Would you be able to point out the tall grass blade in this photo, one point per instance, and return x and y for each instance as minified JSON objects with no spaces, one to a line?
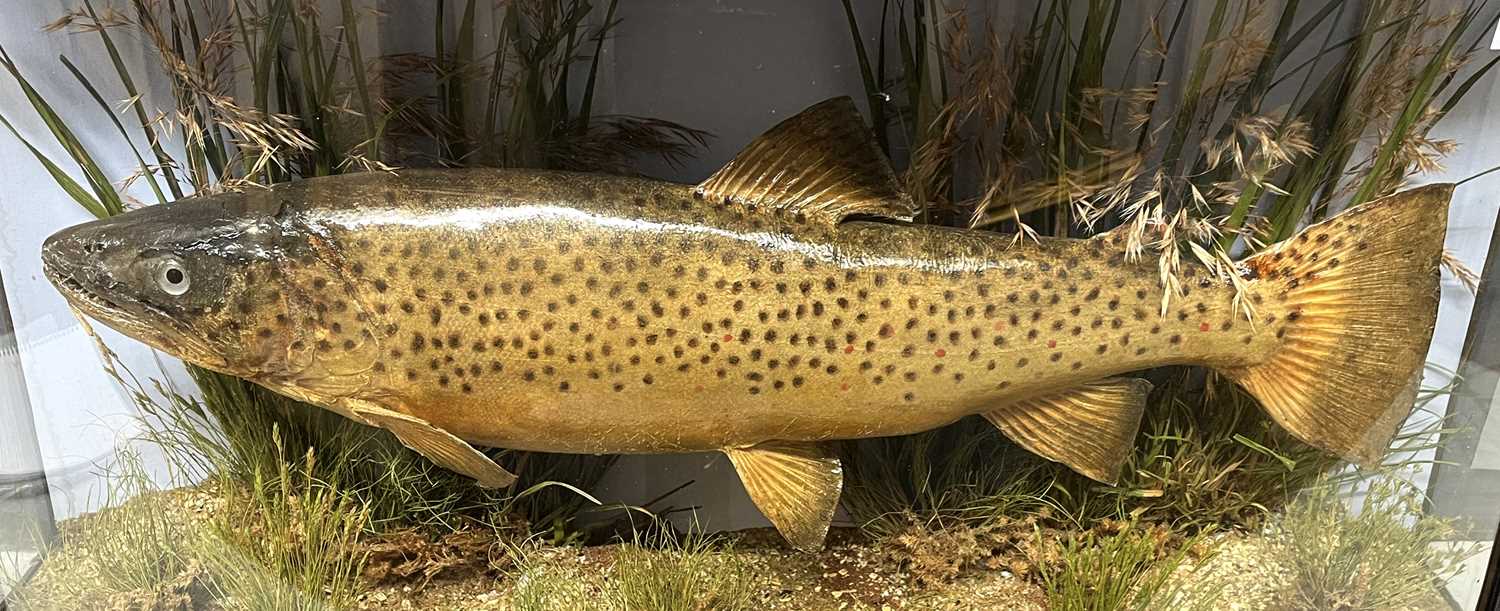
{"x":1192,"y":93}
{"x":103,"y":191}
{"x":163,"y":161}
{"x":586,"y":107}
{"x":66,"y":182}
{"x":357,"y":72}
{"x":874,"y":95}
{"x":146,"y":172}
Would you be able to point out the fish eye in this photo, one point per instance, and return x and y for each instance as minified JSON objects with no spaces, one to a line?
{"x":172,"y":277}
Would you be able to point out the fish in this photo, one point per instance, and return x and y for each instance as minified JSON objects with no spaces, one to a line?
{"x":785,"y":302}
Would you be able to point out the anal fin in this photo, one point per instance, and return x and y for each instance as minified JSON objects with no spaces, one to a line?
{"x":1090,"y":428}
{"x":438,"y":445}
{"x":796,"y":485}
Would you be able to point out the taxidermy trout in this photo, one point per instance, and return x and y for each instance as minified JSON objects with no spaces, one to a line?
{"x":782,"y":303}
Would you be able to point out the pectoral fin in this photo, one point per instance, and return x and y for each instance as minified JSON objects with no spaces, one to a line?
{"x":436,"y":444}
{"x":1091,"y":428}
{"x":795,"y":485}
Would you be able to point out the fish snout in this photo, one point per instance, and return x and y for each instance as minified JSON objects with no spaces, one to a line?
{"x":61,"y":251}
{"x":73,"y":253}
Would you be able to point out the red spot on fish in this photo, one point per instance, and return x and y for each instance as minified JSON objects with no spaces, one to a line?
{"x":1203,"y":327}
{"x":844,"y":386}
{"x":941,"y":352}
{"x":728,"y":337}
{"x":849,"y":349}
{"x":999,"y":325}
{"x":1051,"y":343}
{"x":698,"y":388}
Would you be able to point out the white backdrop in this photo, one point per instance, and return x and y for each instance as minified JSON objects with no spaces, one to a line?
{"x":80,"y":413}
{"x":733,"y":67}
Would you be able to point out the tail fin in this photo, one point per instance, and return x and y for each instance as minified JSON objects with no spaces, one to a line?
{"x":1359,"y":295}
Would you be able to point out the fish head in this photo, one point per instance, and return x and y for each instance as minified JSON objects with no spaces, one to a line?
{"x":190,"y":278}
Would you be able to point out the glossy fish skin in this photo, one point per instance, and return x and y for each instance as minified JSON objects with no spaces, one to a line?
{"x":750,"y":314}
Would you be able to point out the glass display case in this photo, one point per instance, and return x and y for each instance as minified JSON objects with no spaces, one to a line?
{"x":25,"y":506}
{"x":562,"y":304}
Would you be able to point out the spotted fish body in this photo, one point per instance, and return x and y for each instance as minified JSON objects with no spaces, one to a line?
{"x":568,"y":313}
{"x":756,"y":314}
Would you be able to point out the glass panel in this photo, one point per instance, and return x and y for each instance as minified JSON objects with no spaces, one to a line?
{"x":1467,"y":472}
{"x":26,"y":525}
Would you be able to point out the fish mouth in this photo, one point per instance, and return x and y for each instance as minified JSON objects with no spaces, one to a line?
{"x":115,"y":313}
{"x":155,"y":329}
{"x":66,"y":257}
{"x":75,"y":292}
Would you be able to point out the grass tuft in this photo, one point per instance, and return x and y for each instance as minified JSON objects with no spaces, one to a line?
{"x":1382,"y":553}
{"x":658,"y":570}
{"x":1120,"y":566}
{"x":288,"y":541}
{"x":965,"y":474}
{"x":1204,"y":459}
{"x":665,"y":572}
{"x":137,"y":547}
{"x":134,"y":553}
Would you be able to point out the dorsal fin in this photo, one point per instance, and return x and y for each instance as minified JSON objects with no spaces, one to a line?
{"x":820,"y":163}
